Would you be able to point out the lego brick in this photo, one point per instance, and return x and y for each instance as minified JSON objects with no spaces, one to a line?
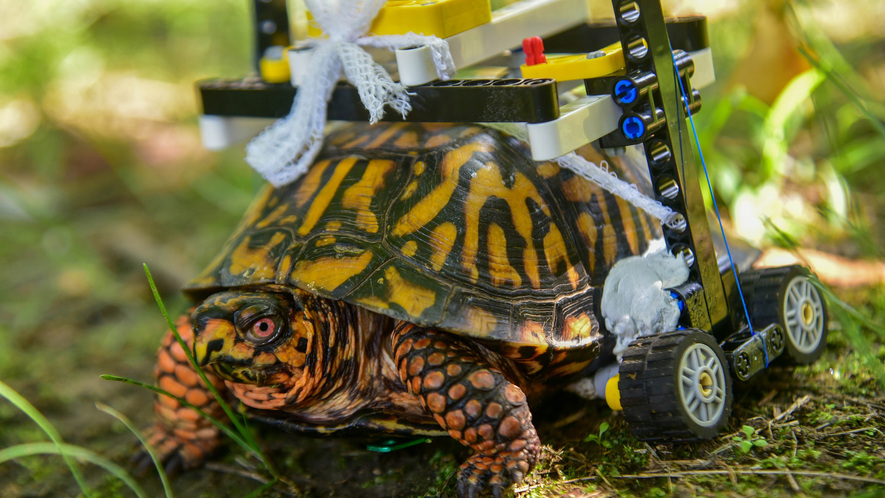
{"x":509,"y":100}
{"x":506,"y":31}
{"x":220,"y":132}
{"x":580,"y":123}
{"x":442,"y":18}
{"x":685,"y":33}
{"x":271,"y":27}
{"x":274,"y":66}
{"x":578,"y":67}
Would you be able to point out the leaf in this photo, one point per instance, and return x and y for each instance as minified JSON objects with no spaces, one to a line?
{"x":749,"y":431}
{"x":602,"y":428}
{"x":746,"y":446}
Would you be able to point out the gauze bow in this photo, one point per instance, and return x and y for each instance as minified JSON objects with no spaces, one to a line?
{"x":284,"y":151}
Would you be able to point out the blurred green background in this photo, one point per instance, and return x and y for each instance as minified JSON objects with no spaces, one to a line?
{"x":101,"y":169}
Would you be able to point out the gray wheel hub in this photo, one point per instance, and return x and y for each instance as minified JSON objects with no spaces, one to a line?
{"x":702,"y":385}
{"x":803,"y":315}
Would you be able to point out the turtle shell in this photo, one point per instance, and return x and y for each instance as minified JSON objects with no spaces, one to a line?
{"x":450,"y":226}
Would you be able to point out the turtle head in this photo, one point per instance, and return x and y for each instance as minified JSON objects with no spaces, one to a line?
{"x":252,"y":337}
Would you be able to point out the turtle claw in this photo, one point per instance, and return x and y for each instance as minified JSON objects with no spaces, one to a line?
{"x":473,"y":482}
{"x":468,"y":490}
{"x":174,"y":464}
{"x":175,"y":453}
{"x":140,"y":462}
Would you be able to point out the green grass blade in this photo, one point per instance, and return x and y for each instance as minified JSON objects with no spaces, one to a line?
{"x":167,"y":488}
{"x":826,"y":58}
{"x":218,"y":423}
{"x":67,"y":451}
{"x":263,"y":488}
{"x":789,"y":102}
{"x":25,"y":406}
{"x":852,"y":321}
{"x":190,"y":357}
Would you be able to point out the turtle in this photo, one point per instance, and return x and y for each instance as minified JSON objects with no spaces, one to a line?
{"x":419,"y":279}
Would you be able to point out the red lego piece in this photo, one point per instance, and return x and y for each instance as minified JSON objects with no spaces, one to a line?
{"x":534,"y":50}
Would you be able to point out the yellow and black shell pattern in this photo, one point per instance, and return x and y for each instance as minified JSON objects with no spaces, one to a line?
{"x":449,"y":226}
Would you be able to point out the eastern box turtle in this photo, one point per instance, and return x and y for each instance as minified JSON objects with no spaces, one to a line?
{"x":418,"y":279}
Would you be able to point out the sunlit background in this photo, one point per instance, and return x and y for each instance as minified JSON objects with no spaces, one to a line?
{"x":101,"y":170}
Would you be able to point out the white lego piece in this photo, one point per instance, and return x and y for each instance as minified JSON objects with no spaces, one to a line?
{"x":506,"y":31}
{"x":594,"y":387}
{"x":419,"y":64}
{"x":704,"y":72}
{"x":220,"y":132}
{"x":579,"y":123}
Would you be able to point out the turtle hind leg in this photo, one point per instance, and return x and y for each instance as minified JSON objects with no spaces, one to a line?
{"x":474,"y":402}
{"x":182,"y":437}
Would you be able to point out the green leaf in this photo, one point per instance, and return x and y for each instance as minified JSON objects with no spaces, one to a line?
{"x":602,"y":428}
{"x":746,"y":446}
{"x":749,"y":431}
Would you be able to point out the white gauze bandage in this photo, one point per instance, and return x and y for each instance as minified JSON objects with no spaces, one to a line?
{"x":611,"y":183}
{"x":284,"y":151}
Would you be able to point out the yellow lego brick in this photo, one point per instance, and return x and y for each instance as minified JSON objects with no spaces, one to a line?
{"x":442,"y":18}
{"x":613,"y":394}
{"x":577,"y":67}
{"x":274,"y":70}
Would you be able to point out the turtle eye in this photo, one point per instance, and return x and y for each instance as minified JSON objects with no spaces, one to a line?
{"x":262,"y":331}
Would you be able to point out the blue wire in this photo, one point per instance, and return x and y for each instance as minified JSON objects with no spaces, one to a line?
{"x":715,"y":206}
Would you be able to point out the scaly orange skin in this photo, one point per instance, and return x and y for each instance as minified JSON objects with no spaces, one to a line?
{"x":474,"y":402}
{"x":182,"y":437}
{"x":418,"y":374}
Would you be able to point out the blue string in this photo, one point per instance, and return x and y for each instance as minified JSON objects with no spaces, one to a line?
{"x":715,"y":206}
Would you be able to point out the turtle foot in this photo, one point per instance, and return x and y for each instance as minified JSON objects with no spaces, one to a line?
{"x":475,"y":403}
{"x":176,"y":450}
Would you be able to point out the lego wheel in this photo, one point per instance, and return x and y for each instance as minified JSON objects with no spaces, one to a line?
{"x":787,"y":295}
{"x":675,"y":387}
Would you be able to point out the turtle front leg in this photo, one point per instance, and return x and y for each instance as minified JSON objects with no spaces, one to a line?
{"x":474,"y":402}
{"x":182,"y":437}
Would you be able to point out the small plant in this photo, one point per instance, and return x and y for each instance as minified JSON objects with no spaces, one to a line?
{"x":749,"y":440}
{"x":598,"y":438}
{"x":861,"y":461}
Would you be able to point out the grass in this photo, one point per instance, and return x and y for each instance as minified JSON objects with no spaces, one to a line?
{"x":59,"y":447}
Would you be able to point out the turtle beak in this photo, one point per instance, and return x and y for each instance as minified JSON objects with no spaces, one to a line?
{"x":214,"y":342}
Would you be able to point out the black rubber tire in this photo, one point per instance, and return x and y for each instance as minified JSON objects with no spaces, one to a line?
{"x":651,"y":394}
{"x":768,"y":296}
